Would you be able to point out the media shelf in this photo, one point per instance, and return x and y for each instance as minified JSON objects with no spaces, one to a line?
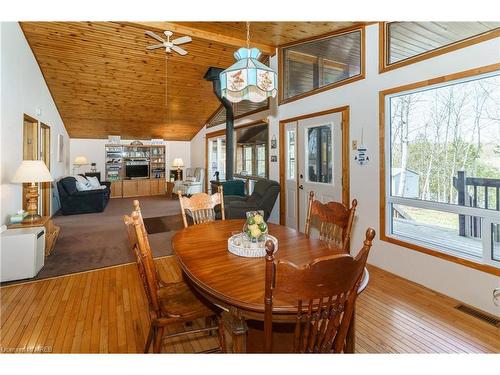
{"x":135,"y":170}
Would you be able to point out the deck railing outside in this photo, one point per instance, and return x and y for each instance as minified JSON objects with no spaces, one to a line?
{"x":476,"y":192}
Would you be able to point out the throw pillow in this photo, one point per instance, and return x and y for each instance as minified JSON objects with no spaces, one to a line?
{"x":82,"y":183}
{"x":94,"y":182}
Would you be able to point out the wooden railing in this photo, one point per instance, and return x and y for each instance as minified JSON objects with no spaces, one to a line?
{"x":475,"y":192}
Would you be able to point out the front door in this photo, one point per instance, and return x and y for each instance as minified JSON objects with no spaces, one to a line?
{"x":317,"y":164}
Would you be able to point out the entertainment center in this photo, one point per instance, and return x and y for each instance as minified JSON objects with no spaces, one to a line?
{"x":135,"y":170}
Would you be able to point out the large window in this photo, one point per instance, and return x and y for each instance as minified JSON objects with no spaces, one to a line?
{"x":217,"y":157}
{"x":321,"y":64}
{"x":442,"y":157}
{"x":408,"y":42}
{"x":251,"y":151}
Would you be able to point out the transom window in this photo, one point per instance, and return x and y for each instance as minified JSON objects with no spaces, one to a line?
{"x":321,"y":63}
{"x":407,"y":42}
{"x":442,"y":146}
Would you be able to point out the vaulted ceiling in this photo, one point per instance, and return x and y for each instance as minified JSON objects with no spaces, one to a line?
{"x":104,"y":81}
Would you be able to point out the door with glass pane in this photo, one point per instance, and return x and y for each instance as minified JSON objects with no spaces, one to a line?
{"x":216,"y":158}
{"x":319,"y":161}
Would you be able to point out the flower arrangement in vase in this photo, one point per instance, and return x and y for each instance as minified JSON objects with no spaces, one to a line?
{"x":255,"y":227}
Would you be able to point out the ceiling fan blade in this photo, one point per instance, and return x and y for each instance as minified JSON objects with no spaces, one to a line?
{"x":155,"y":46}
{"x":179,"y":50}
{"x":182,"y":40}
{"x":153,"y":35}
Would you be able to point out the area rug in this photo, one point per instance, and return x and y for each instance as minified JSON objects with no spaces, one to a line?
{"x":163,"y":224}
{"x":92,"y":241}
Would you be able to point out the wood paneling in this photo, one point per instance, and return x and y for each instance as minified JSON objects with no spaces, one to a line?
{"x":104,"y":82}
{"x":105,"y":311}
{"x":270,"y":33}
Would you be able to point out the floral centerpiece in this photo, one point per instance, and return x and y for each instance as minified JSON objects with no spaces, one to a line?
{"x":255,"y":227}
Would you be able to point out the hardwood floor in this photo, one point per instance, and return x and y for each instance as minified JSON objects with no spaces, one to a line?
{"x":104,"y":311}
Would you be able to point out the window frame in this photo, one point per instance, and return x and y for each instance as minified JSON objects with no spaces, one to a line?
{"x":254,"y":150}
{"x":283,"y":100}
{"x":385,"y":66}
{"x":386,"y":200}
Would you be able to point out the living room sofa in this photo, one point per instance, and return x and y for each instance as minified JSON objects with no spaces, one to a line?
{"x":263,"y":198}
{"x":81,"y":202}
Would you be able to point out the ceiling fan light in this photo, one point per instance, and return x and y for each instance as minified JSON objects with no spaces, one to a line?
{"x":248,"y":78}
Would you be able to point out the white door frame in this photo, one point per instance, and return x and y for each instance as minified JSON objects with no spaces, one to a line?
{"x":345,"y":156}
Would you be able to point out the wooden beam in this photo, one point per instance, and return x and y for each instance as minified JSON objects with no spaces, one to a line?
{"x":201,"y":34}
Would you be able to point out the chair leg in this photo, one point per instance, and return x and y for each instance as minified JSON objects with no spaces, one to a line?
{"x":158,"y":339}
{"x":149,"y":340}
{"x":209,"y":321}
{"x":220,"y":332}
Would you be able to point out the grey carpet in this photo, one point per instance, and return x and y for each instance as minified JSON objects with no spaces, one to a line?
{"x":92,"y":241}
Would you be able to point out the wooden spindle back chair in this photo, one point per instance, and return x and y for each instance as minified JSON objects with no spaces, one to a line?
{"x":169,"y":303}
{"x":324,"y":292}
{"x":201,"y":206}
{"x":334,"y":221}
{"x":139,"y":243}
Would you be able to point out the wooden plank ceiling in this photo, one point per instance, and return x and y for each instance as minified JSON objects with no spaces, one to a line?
{"x":104,"y":81}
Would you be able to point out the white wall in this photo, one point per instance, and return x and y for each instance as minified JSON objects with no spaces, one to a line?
{"x":93,"y":150}
{"x":466,"y":284}
{"x":23,"y":91}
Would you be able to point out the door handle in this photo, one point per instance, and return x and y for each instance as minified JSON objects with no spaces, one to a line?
{"x":301,"y":187}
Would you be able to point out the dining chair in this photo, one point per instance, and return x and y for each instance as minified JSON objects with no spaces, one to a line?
{"x":201,"y":206}
{"x":334,"y":221}
{"x":169,"y":302}
{"x":324,"y":291}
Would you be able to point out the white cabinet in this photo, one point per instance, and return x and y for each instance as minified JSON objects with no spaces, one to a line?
{"x":22,"y":253}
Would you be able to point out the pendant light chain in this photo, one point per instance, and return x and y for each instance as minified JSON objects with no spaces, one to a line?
{"x":248,"y":34}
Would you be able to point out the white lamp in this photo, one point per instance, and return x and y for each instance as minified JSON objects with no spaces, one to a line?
{"x":79,"y":161}
{"x":178,"y":163}
{"x":32,"y":171}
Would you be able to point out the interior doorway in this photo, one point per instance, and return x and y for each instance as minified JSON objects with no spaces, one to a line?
{"x":314,"y":157}
{"x":30,"y":146}
{"x":45,"y":187}
{"x":215,"y":156}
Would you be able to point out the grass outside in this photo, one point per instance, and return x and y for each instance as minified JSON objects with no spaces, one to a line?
{"x":430,"y":217}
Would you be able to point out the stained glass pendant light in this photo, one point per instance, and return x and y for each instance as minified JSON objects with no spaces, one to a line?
{"x":248,"y":78}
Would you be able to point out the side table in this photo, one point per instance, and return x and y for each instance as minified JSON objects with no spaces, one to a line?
{"x":51,"y":231}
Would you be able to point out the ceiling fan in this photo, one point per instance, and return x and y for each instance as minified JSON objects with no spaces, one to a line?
{"x":168,"y":44}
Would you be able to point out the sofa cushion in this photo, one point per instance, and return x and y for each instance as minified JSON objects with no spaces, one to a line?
{"x":69,"y":184}
{"x":94,"y":182}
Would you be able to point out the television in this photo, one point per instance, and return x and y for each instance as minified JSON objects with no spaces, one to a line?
{"x":137,"y":171}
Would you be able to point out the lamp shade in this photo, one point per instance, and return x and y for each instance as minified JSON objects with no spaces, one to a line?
{"x":248,"y":78}
{"x":32,"y":171}
{"x":80,"y":160}
{"x":178,"y":163}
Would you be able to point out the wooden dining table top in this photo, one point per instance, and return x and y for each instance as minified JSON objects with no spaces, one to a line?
{"x":202,"y":252}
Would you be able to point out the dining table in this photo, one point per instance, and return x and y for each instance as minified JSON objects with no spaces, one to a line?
{"x":236,"y":284}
